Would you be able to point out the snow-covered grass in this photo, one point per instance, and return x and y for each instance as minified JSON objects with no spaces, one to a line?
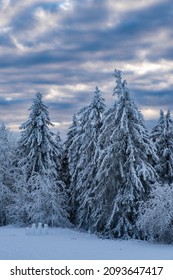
{"x":71,"y":244}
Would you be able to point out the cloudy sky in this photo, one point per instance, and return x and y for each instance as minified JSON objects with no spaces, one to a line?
{"x":64,"y":48}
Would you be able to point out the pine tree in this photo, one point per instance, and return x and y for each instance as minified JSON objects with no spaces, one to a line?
{"x":59,"y":157}
{"x":6,"y":173}
{"x":162,"y":137}
{"x":71,"y":156}
{"x":82,"y":143}
{"x":59,"y":145}
{"x":158,"y":130}
{"x":37,"y":150}
{"x":38,"y":154}
{"x":125,"y":175}
{"x":91,"y":122}
{"x":167,"y":159}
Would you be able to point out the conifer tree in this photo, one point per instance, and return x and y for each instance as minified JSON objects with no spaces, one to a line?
{"x":125,"y":175}
{"x":91,"y":122}
{"x":59,"y":145}
{"x":46,"y":199}
{"x":37,"y":150}
{"x":71,"y":157}
{"x":162,"y":136}
{"x":167,"y":161}
{"x":6,"y":173}
{"x":59,"y":157}
{"x":81,"y":152}
{"x":158,"y":130}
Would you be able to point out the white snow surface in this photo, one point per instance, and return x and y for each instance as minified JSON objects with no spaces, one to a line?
{"x":71,"y":244}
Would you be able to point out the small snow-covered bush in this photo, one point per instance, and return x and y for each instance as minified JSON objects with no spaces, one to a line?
{"x":155,"y":220}
{"x":37,"y":229}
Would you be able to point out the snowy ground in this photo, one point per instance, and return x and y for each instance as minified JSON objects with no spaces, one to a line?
{"x":64,"y":244}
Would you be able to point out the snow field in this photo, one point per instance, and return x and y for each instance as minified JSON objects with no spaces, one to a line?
{"x":70,"y":244}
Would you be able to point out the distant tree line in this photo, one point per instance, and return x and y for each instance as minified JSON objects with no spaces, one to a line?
{"x":110,"y":177}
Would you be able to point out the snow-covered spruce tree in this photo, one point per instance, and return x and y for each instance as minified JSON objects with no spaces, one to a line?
{"x":63,"y":161}
{"x":158,"y":130}
{"x":125,"y":175}
{"x":38,"y":155}
{"x":71,"y":157}
{"x":90,"y":122}
{"x":59,"y":156}
{"x":58,"y":142}
{"x":82,"y":166}
{"x":6,"y":173}
{"x":162,"y":136}
{"x":156,"y":215}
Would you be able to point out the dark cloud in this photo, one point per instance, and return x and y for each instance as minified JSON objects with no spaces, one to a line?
{"x":65,"y":51}
{"x":5,"y":40}
{"x":159,"y":98}
{"x":93,"y":13}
